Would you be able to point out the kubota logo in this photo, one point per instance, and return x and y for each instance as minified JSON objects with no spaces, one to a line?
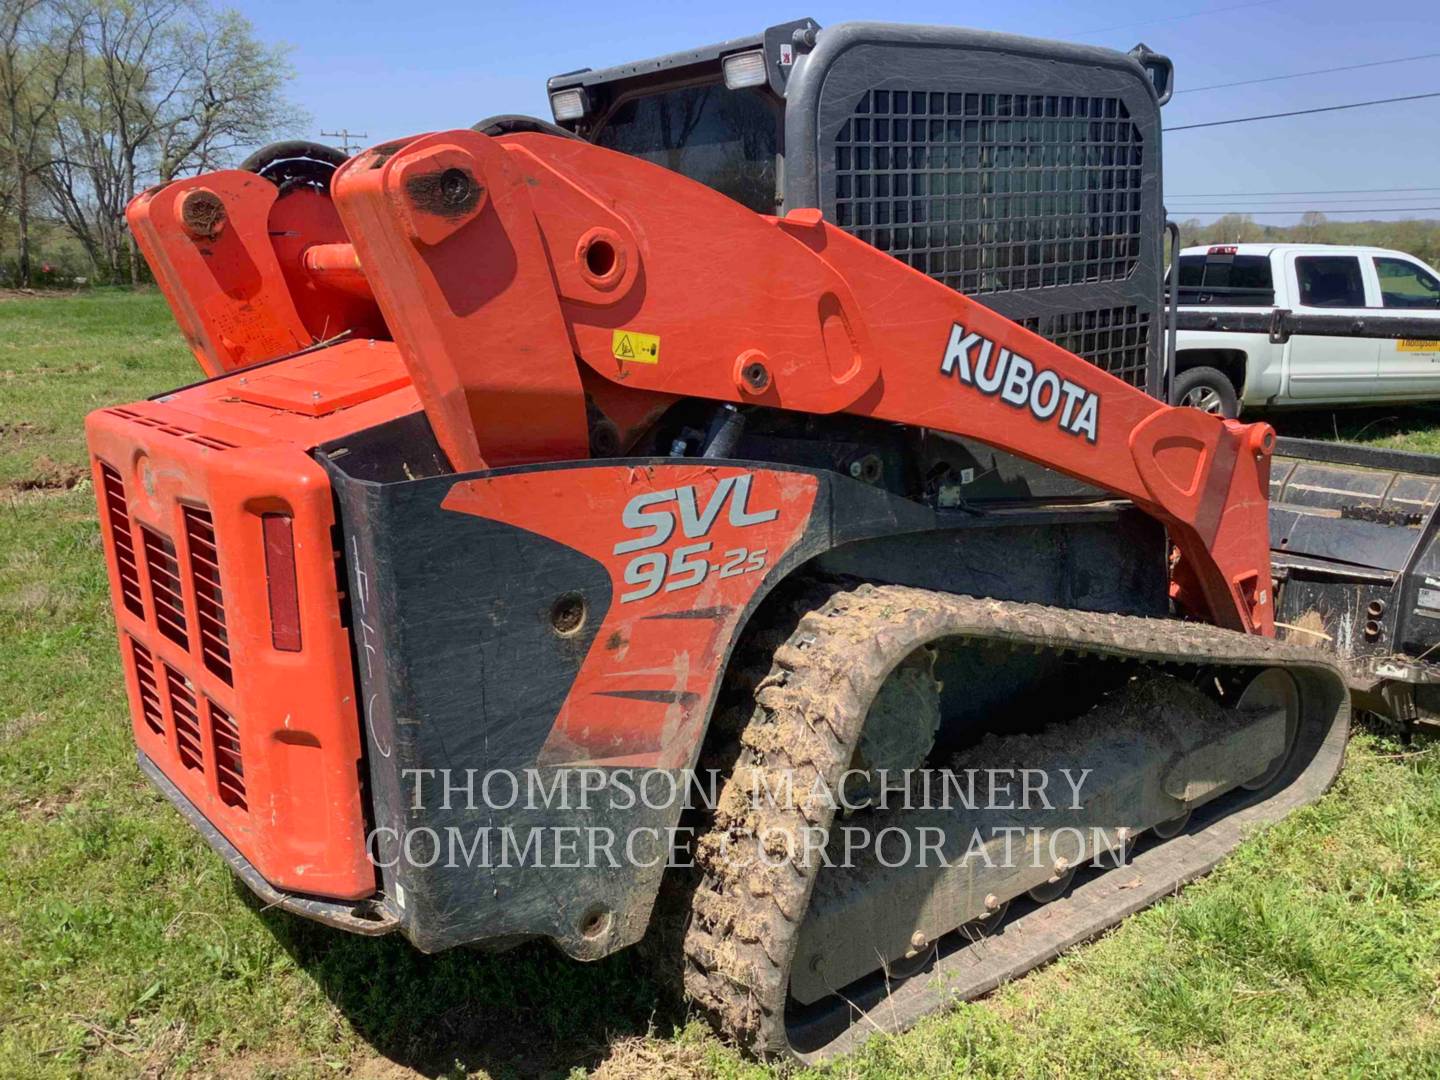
{"x":660,"y":512}
{"x":1018,"y":382}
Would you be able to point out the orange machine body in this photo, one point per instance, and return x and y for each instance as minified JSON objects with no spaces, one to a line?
{"x":528,"y":293}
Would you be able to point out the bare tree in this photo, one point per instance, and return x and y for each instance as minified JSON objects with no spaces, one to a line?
{"x":164,"y":87}
{"x":229,"y":95}
{"x":1312,"y":225}
{"x":36,"y":55}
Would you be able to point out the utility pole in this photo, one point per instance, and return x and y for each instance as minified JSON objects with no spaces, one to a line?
{"x":345,"y":135}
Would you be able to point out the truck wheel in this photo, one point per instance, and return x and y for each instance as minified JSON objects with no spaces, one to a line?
{"x":1206,"y":389}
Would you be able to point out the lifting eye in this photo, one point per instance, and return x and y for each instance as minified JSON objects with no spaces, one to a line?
{"x":601,"y":258}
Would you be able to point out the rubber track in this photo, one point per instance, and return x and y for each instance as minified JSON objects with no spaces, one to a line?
{"x":747,"y":911}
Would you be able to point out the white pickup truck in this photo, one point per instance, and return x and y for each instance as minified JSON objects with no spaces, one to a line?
{"x":1271,"y":325}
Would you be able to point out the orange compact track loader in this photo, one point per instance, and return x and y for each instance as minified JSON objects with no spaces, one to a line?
{"x":785,"y":413}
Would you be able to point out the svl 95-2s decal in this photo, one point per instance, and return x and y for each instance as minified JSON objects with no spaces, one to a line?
{"x":653,"y":661}
{"x":687,"y":566}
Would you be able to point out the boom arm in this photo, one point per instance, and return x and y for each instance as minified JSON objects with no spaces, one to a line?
{"x":515,"y":273}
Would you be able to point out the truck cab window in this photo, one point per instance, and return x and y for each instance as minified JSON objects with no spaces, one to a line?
{"x":724,"y":139}
{"x":1330,"y":281}
{"x":1405,"y":285}
{"x":1226,"y":280}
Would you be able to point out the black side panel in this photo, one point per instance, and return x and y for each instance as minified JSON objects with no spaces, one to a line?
{"x":462,"y":677}
{"x":459,"y":670}
{"x":1088,"y":559}
{"x":1025,"y":173}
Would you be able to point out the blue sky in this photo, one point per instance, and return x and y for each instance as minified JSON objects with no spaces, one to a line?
{"x":393,"y":69}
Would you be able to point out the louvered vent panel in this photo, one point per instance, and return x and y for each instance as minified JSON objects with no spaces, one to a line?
{"x":117,"y":520}
{"x":184,"y":712}
{"x":229,"y":770}
{"x":150,"y":707}
{"x":209,"y":599}
{"x":165,"y":589}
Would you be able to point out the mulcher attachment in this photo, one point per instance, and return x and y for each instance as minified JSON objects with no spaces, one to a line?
{"x":793,"y":936}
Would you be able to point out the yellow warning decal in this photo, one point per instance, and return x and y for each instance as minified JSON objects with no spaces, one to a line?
{"x":1407,"y":345}
{"x":635,"y":347}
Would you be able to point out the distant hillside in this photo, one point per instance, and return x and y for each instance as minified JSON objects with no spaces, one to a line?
{"x":1419,"y":238}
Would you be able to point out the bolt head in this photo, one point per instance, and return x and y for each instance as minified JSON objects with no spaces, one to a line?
{"x":455,"y":186}
{"x":202,"y":214}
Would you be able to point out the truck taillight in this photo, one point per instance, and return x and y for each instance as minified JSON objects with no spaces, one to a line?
{"x":280,"y":581}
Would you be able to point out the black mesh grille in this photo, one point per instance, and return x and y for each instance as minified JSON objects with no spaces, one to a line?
{"x":994,"y":192}
{"x":1116,"y":340}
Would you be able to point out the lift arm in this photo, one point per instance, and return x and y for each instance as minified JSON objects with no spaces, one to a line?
{"x":516,"y":273}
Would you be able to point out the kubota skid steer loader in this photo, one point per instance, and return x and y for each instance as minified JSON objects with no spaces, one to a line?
{"x":740,"y":421}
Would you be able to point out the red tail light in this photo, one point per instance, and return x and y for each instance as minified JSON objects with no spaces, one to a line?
{"x":280,"y":581}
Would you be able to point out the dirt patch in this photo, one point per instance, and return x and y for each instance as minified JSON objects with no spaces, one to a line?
{"x":49,"y":475}
{"x":37,"y":597}
{"x":649,"y":1059}
{"x":17,"y":433}
{"x":36,"y":294}
{"x":10,"y":730}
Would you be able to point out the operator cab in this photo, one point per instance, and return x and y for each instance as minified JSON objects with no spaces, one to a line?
{"x":1024,"y":173}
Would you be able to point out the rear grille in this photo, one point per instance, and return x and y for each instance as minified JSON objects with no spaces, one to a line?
{"x":171,"y":703}
{"x":1116,"y":340}
{"x":994,"y":192}
{"x":184,"y":712}
{"x":229,"y":771}
{"x":209,"y":599}
{"x":164,"y":573}
{"x":117,"y":520}
{"x":150,"y":707}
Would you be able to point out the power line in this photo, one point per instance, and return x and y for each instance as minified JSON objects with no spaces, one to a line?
{"x":1329,"y":191}
{"x":1271,"y":212}
{"x":1398,"y":198}
{"x":1303,"y":112}
{"x":1170,"y":18}
{"x":1305,"y":74}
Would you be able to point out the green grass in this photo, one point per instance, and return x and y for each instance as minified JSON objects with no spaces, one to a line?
{"x":127,"y":948}
{"x":1396,"y":427}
